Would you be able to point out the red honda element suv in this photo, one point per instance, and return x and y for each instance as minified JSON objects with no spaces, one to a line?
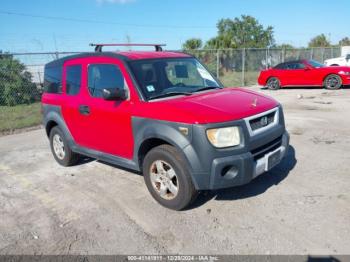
{"x":163,"y":114}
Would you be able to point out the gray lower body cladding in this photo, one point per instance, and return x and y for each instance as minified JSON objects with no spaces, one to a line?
{"x":213,"y":168}
{"x":210,"y":168}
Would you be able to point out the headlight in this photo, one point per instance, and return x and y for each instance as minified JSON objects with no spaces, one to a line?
{"x":224,"y":137}
{"x":343,"y":73}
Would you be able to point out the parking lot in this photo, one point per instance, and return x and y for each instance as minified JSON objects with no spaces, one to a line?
{"x":301,"y":207}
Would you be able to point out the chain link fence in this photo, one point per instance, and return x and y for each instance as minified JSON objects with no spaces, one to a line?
{"x":241,"y":67}
{"x":22,"y":75}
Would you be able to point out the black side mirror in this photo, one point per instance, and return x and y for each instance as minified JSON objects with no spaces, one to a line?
{"x":114,"y":94}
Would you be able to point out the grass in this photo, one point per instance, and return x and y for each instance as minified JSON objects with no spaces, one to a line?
{"x":233,"y":79}
{"x":20,"y":116}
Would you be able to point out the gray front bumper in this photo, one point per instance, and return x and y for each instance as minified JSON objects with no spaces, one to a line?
{"x":260,"y":166}
{"x":241,"y":169}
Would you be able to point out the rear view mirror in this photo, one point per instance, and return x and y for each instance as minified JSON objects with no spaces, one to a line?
{"x":181,"y":71}
{"x":114,"y":94}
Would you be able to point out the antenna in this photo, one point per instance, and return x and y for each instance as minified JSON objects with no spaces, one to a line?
{"x":98,"y":47}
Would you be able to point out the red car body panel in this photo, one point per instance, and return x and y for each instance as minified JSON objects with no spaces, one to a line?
{"x":112,"y":120}
{"x":310,"y":76}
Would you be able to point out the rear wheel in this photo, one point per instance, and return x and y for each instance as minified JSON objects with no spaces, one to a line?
{"x":332,"y":82}
{"x":167,"y":178}
{"x":60,"y":148}
{"x":273,"y":83}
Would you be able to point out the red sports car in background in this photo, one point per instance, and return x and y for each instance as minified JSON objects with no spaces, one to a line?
{"x":304,"y":73}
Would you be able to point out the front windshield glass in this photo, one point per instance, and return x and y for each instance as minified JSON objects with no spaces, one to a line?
{"x":315,"y":64}
{"x":166,"y":77}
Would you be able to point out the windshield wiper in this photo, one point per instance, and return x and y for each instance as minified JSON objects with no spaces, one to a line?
{"x":207,"y":88}
{"x":170,"y":94}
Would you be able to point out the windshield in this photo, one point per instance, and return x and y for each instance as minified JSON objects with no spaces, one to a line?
{"x":316,"y":64}
{"x":167,"y":77}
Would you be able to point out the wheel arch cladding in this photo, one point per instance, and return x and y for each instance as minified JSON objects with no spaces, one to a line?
{"x":52,"y":117}
{"x":160,"y":132}
{"x":147,"y":145}
{"x":49,"y":125}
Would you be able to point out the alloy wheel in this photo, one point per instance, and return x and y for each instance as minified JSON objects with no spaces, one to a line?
{"x":164,"y":179}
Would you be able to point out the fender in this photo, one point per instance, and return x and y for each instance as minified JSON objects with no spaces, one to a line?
{"x":145,"y":128}
{"x":53,"y":113}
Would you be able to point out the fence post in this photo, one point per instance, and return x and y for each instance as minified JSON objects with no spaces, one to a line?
{"x":243,"y":66}
{"x":323,"y":51}
{"x":311,"y":53}
{"x":218,"y":63}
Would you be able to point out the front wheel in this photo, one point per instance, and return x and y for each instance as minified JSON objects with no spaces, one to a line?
{"x":167,"y":178}
{"x":333,"y":82}
{"x":273,"y":83}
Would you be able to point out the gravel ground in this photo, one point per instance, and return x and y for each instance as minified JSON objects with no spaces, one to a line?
{"x":300,"y":207}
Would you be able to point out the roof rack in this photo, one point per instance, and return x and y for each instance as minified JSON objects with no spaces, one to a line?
{"x":98,"y":47}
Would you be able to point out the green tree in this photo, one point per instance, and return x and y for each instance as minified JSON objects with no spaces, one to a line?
{"x":345,"y":41}
{"x":320,"y":41}
{"x":16,"y":86}
{"x":243,"y":32}
{"x":192,"y":44}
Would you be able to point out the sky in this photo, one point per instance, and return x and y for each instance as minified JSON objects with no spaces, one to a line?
{"x":70,"y":25}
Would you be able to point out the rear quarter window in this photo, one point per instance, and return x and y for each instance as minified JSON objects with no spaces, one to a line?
{"x":53,"y":80}
{"x":281,"y":66}
{"x":73,"y":79}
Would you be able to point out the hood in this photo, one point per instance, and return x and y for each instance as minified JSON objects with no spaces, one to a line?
{"x":222,"y":105}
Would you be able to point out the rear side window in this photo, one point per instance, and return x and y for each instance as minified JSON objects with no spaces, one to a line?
{"x":53,"y":80}
{"x":73,"y":79}
{"x":280,"y":66}
{"x":102,"y":76}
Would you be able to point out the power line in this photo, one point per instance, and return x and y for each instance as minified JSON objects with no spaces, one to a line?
{"x":4,"y":12}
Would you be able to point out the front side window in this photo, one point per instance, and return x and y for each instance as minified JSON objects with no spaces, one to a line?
{"x":295,"y":66}
{"x":73,"y":79}
{"x":101,"y":76}
{"x":171,"y":76}
{"x":53,"y":80}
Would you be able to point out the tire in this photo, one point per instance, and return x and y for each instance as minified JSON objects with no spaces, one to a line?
{"x":167,"y":178}
{"x":60,"y":148}
{"x":332,"y":82}
{"x":273,"y":83}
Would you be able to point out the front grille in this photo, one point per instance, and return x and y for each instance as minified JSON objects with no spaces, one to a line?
{"x":269,"y":147}
{"x":262,"y":121}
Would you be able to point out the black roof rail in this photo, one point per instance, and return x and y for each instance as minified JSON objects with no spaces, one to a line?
{"x":98,"y":47}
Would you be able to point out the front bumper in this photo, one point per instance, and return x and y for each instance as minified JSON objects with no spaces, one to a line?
{"x":241,"y":169}
{"x":345,"y":80}
{"x":213,"y":168}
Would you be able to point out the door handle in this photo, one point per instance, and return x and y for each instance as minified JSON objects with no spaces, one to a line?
{"x":84,"y":110}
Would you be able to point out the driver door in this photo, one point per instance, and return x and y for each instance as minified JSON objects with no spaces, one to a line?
{"x":99,"y":124}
